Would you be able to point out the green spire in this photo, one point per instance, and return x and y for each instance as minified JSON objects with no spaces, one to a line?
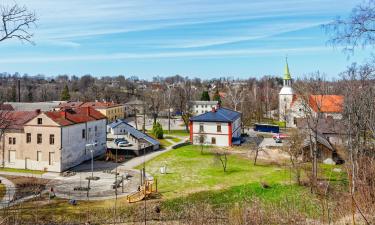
{"x":287,"y":73}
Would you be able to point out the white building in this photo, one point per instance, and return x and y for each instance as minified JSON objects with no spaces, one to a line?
{"x":219,"y":126}
{"x":54,"y":141}
{"x":200,"y":107}
{"x":293,"y":107}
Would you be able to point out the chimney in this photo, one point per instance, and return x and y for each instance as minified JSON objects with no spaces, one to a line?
{"x":213,"y":109}
{"x":37,"y":111}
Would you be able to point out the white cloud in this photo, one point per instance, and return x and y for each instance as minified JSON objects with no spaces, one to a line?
{"x":124,"y":55}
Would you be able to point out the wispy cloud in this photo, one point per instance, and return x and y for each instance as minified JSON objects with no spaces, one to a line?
{"x":124,"y":55}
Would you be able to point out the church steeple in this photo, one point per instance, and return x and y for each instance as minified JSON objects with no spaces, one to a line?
{"x":287,"y":78}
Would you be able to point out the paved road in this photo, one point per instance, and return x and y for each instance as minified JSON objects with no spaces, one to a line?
{"x":10,"y":191}
{"x":140,"y":159}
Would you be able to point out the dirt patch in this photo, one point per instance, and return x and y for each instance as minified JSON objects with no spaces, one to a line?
{"x":27,"y":186}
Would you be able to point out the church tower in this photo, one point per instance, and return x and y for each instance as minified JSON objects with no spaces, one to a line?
{"x":286,"y":97}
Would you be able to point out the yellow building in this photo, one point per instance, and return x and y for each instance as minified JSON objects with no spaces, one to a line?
{"x":111,"y":110}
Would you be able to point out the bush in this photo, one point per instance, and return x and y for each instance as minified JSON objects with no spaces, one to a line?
{"x":157,"y":130}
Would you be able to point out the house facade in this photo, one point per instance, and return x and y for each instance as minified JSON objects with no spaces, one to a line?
{"x":200,"y":107}
{"x":54,"y":141}
{"x":219,"y":126}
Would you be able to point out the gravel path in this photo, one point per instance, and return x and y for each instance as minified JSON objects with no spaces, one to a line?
{"x":10,"y":191}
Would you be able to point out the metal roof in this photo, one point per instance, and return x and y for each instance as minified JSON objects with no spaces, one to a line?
{"x":134,"y":132}
{"x":219,"y":115}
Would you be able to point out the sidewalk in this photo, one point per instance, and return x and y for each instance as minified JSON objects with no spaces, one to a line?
{"x":9,"y":194}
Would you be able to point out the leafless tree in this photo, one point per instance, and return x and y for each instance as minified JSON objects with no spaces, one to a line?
{"x":235,"y":96}
{"x":294,"y":148}
{"x":221,"y":155}
{"x":356,"y":30}
{"x":16,"y":22}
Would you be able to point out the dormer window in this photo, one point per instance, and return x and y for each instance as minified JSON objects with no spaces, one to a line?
{"x":40,"y":120}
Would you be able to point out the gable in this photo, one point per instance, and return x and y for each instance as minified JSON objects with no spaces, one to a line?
{"x":46,"y":121}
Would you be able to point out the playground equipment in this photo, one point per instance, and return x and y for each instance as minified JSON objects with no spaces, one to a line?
{"x":144,"y":191}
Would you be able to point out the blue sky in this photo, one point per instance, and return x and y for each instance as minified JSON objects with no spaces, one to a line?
{"x":197,"y":38}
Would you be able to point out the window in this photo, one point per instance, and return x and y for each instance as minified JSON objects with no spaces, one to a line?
{"x":39,"y":156}
{"x":201,"y":129}
{"x":201,"y":139}
{"x":213,"y":141}
{"x":218,"y":128}
{"x":12,"y":140}
{"x":28,"y":137}
{"x":83,"y":133}
{"x":96,"y":128}
{"x":39,"y":138}
{"x":39,"y":120}
{"x":51,"y":139}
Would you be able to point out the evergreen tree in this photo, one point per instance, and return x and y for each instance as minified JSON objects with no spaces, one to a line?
{"x":65,"y":96}
{"x":157,"y":130}
{"x":205,"y":96}
{"x":217,"y":97}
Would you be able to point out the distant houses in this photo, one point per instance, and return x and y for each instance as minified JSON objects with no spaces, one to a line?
{"x":199,"y":107}
{"x":52,"y":141}
{"x":219,"y":127}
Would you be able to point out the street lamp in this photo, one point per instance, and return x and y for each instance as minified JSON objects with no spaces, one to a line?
{"x":91,"y":148}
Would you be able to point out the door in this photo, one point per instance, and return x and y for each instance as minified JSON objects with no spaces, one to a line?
{"x":12,"y":156}
{"x":26,"y":162}
{"x":51,"y":158}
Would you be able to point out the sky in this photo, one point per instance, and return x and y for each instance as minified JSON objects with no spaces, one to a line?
{"x":194,"y":38}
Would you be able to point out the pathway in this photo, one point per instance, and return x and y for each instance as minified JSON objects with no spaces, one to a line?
{"x":9,"y":194}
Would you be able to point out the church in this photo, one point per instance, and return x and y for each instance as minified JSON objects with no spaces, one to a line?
{"x":293,"y":107}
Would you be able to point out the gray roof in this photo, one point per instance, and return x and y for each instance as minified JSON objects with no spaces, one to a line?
{"x":323,"y":141}
{"x":32,"y":106}
{"x":134,"y":132}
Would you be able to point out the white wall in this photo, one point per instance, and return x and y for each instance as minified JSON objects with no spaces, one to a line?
{"x":74,"y":149}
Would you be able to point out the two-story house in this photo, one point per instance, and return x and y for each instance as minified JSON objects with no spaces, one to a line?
{"x":54,"y":141}
{"x":220,"y":127}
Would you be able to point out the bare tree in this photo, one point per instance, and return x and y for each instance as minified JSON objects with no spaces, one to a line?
{"x":294,"y":148}
{"x":16,"y":22}
{"x":221,"y":155}
{"x":235,"y":96}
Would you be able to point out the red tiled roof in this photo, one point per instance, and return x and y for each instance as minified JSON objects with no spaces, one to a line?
{"x":324,"y":103}
{"x":16,"y":119}
{"x":327,"y":103}
{"x":74,"y":116}
{"x":70,"y":104}
{"x":6,"y":107}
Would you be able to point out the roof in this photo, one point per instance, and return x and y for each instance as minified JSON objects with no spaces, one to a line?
{"x":327,"y":103}
{"x":16,"y":119}
{"x":74,"y":116}
{"x":287,"y":73}
{"x":134,"y":102}
{"x":320,"y":139}
{"x":6,"y":107}
{"x":219,"y":115}
{"x":95,"y":105}
{"x":325,"y":125}
{"x":134,"y":132}
{"x":32,"y":106}
{"x":324,"y":103}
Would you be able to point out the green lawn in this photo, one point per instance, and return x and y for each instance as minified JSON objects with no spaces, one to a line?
{"x":181,"y":133}
{"x":190,"y":171}
{"x":175,"y":139}
{"x":21,"y":171}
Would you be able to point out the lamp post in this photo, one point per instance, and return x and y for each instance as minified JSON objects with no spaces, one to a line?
{"x":91,"y":146}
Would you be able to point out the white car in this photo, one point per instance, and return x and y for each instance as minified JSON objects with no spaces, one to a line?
{"x":124,"y":144}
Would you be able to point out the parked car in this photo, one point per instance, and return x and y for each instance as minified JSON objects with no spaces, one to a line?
{"x":278,"y":140}
{"x":124,"y":144}
{"x":117,"y":140}
{"x":280,"y":136}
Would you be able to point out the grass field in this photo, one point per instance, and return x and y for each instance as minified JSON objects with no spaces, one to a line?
{"x":174,"y":139}
{"x":2,"y":191}
{"x":190,"y":171}
{"x":182,"y":133}
{"x":21,"y":171}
